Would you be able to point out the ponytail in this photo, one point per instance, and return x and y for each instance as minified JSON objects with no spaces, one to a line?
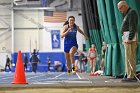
{"x":66,"y":23}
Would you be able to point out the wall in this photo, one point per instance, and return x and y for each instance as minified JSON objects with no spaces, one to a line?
{"x":5,"y":31}
{"x":29,"y":36}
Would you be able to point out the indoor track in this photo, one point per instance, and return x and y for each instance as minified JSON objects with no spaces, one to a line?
{"x":62,"y":79}
{"x":48,"y":78}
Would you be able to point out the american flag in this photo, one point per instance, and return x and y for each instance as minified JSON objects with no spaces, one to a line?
{"x":54,"y":17}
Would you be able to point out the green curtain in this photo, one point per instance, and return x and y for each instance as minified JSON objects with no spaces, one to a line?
{"x":92,"y":26}
{"x":110,"y":20}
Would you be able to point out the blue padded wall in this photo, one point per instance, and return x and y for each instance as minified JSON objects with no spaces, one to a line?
{"x":42,"y":66}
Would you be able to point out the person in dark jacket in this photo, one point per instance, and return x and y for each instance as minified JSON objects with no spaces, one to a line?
{"x":34,"y":61}
{"x":8,"y":63}
{"x":129,"y":30}
{"x":83,"y":62}
{"x":49,"y":63}
{"x":25,"y":61}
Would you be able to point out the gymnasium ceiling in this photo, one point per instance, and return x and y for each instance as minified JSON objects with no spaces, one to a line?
{"x":61,"y":5}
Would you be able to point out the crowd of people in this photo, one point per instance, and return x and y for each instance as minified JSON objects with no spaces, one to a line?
{"x":82,"y":58}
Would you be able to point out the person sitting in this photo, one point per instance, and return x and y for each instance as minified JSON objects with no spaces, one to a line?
{"x":57,"y":65}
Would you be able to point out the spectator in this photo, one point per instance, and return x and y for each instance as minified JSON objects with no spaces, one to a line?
{"x":82,"y":60}
{"x":76,"y":57}
{"x":8,"y":63}
{"x":34,"y":61}
{"x":129,"y":30}
{"x":57,"y":65}
{"x":25,"y":61}
{"x":104,"y":46}
{"x":92,"y":55}
{"x":49,"y":63}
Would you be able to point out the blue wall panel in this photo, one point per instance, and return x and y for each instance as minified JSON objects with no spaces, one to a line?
{"x":42,"y":66}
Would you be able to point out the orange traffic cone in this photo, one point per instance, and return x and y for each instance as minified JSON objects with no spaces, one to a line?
{"x":19,"y":75}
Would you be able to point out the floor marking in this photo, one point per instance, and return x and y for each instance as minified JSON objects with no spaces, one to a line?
{"x":36,"y":76}
{"x":58,"y":75}
{"x":6,"y":78}
{"x":77,"y":81}
{"x":47,"y":78}
{"x":78,"y":76}
{"x":44,"y":83}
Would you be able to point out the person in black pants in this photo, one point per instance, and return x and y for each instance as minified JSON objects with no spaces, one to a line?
{"x":25,"y":61}
{"x":7,"y":63}
{"x":49,"y":63}
{"x":34,"y":61}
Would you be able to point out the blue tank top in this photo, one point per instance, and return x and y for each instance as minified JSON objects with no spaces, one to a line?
{"x":70,"y":38}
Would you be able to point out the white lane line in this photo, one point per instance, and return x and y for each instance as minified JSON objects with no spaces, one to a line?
{"x":58,"y":75}
{"x":47,"y":79}
{"x":36,"y":76}
{"x":78,"y":76}
{"x":6,"y":78}
{"x":78,"y":81}
{"x":51,"y":82}
{"x":44,"y":83}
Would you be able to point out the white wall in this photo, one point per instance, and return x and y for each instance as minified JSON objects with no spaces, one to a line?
{"x":5,"y":23}
{"x":5,"y":32}
{"x":58,"y":26}
{"x":28,"y":19}
{"x":45,"y":38}
{"x":27,"y":36}
{"x":27,"y":32}
{"x":5,"y":41}
{"x":26,"y":40}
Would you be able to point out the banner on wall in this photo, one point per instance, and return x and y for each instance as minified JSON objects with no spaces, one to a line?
{"x":55,"y":34}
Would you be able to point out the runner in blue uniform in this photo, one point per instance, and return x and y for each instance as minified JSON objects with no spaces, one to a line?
{"x":69,"y":31}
